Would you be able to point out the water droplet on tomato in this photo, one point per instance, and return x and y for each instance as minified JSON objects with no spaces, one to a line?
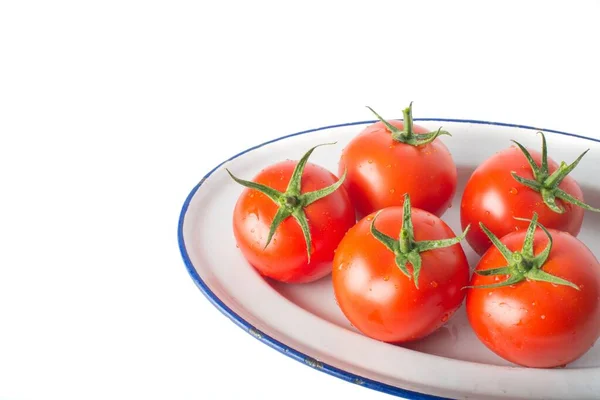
{"x":392,"y":190}
{"x":370,"y":218}
{"x":533,"y":304}
{"x":543,"y":317}
{"x":237,"y":245}
{"x":386,"y":278}
{"x":502,"y":304}
{"x":489,"y":293}
{"x":488,"y":315}
{"x":496,"y":278}
{"x":252,"y":230}
{"x":450,"y":206}
{"x":434,"y":284}
{"x":513,"y":191}
{"x":370,"y":161}
{"x":580,"y":286}
{"x":389,"y":166}
{"x":445,"y":317}
{"x":487,"y":213}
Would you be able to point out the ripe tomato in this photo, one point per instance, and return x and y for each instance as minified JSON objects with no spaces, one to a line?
{"x":290,"y":218}
{"x":397,"y":290}
{"x":543,"y":310}
{"x":388,"y":159}
{"x":518,"y":182}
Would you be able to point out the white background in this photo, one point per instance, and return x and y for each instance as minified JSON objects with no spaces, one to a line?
{"x":111,"y":111}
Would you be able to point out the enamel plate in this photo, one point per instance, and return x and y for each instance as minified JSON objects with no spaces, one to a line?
{"x":304,"y":322}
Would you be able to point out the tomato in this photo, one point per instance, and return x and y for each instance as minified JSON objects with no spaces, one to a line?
{"x":290,"y":218}
{"x":388,"y":159}
{"x":532,"y":318}
{"x":515,"y":183}
{"x":398,"y":290}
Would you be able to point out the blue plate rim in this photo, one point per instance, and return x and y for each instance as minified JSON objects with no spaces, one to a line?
{"x":279,"y":346}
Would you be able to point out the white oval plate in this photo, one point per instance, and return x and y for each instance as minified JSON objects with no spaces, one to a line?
{"x":304,"y":322}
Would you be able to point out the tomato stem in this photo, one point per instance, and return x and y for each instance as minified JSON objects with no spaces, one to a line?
{"x":406,"y":249}
{"x":408,"y":122}
{"x":292,"y":202}
{"x":524,"y":264}
{"x":547,"y":185}
{"x":407,"y":235}
{"x":406,"y":135}
{"x":405,"y":242}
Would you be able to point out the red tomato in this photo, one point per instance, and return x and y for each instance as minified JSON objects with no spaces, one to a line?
{"x":285,"y":258}
{"x":378,"y":298}
{"x":493,"y":196}
{"x":381,"y":169}
{"x":536,"y":323}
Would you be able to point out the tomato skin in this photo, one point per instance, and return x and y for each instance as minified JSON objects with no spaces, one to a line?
{"x":494,"y":197}
{"x":381,"y":170}
{"x":382,"y":302}
{"x":538,"y":324}
{"x":285,"y":258}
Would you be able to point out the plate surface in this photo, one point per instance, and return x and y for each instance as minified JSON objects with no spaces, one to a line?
{"x":304,"y":322}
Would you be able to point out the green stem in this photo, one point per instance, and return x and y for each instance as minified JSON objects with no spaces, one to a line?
{"x":547,"y":185}
{"x":407,"y":135}
{"x":557,"y":176}
{"x":405,"y":243}
{"x":522,"y":264}
{"x":291,"y":201}
{"x":408,"y":122}
{"x":406,"y":249}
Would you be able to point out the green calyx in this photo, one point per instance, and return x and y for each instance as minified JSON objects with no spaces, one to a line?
{"x":292,"y":202}
{"x":405,"y":248}
{"x":406,"y":135}
{"x":524,"y":264}
{"x":547,"y":184}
